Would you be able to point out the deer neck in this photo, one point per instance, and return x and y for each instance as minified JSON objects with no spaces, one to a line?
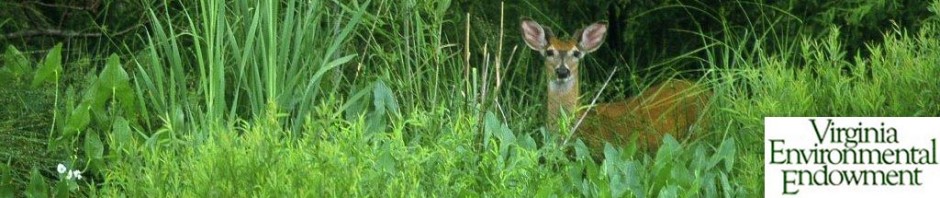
{"x":562,"y":100}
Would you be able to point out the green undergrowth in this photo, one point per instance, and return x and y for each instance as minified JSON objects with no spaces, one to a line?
{"x":817,"y":78}
{"x":256,"y":159}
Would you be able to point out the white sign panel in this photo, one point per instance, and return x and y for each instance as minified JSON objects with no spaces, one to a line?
{"x":851,"y":156}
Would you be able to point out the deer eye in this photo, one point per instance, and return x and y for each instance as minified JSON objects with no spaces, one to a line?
{"x":550,"y":53}
{"x":576,"y":54}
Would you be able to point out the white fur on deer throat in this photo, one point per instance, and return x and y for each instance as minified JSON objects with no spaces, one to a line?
{"x":561,"y":85}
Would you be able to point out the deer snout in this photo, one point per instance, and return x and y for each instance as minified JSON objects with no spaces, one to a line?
{"x":562,"y":72}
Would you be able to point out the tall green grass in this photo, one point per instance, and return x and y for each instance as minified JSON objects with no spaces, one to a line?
{"x":242,"y":58}
{"x":817,"y":77}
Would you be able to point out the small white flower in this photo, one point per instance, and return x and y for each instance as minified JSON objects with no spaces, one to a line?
{"x":77,"y":174}
{"x":61,"y":168}
{"x":68,"y":176}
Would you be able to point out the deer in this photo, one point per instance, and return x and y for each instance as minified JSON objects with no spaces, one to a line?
{"x":670,"y":107}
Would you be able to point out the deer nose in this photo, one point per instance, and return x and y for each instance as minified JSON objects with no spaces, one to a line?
{"x":562,"y":72}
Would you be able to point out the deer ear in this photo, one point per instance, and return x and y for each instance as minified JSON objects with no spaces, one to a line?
{"x":591,"y":37}
{"x":535,"y":36}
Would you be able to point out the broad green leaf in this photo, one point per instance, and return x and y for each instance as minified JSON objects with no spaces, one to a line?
{"x":581,"y":150}
{"x":630,"y":150}
{"x":94,"y":97}
{"x":113,"y":82}
{"x":667,"y":150}
{"x":113,"y":76}
{"x":51,"y":68}
{"x":383,"y":102}
{"x":77,"y":120}
{"x":664,"y":162}
{"x":94,"y":150}
{"x":634,"y":179}
{"x":386,"y":162}
{"x":699,"y":160}
{"x":669,"y":191}
{"x":93,"y":146}
{"x":376,"y":120}
{"x":726,"y":151}
{"x":120,"y":134}
{"x":37,"y":185}
{"x":599,"y":180}
{"x":725,"y":185}
{"x":506,"y":138}
{"x":681,"y":175}
{"x":490,"y":126}
{"x":611,"y":155}
{"x":17,"y":64}
{"x":61,"y":189}
{"x":708,"y":183}
{"x":575,"y":172}
{"x":504,"y":134}
{"x":528,"y":143}
{"x":383,"y":95}
{"x":616,"y":171}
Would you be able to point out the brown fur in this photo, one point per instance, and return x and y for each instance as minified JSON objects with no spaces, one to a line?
{"x":671,"y":108}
